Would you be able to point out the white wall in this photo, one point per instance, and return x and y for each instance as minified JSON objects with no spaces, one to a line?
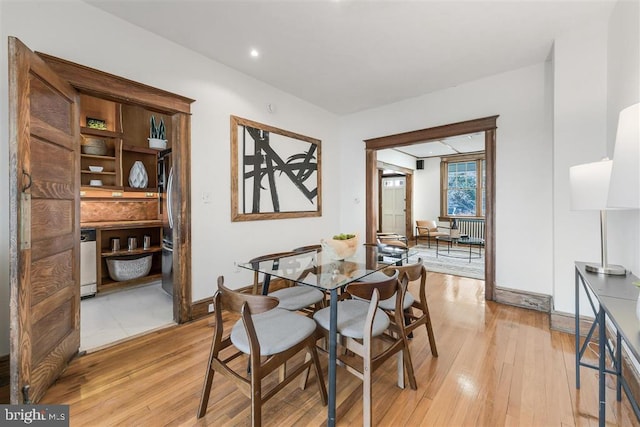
{"x":78,"y":32}
{"x":523,"y":163}
{"x":426,"y":191}
{"x":580,"y":67}
{"x":623,"y":89}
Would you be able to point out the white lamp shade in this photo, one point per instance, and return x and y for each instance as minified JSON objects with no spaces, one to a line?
{"x":590,"y":185}
{"x":624,"y":191}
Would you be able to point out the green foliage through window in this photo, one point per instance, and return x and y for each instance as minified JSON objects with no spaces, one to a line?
{"x":463,"y":187}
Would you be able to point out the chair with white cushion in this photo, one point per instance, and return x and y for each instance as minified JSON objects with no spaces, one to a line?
{"x":412,"y":319}
{"x":291,"y":297}
{"x":269,"y":336}
{"x":359,"y":322}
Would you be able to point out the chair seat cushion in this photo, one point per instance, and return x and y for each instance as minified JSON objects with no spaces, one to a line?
{"x":277,"y":330}
{"x":297,"y":297}
{"x":352,"y":315}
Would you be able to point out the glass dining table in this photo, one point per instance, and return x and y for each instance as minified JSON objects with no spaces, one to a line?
{"x":320,"y":270}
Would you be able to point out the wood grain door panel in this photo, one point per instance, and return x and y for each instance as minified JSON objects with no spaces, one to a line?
{"x":44,"y":224}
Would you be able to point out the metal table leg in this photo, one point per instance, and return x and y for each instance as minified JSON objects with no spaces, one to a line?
{"x":333,"y":344}
{"x":601,"y":367}
{"x":577,"y":334}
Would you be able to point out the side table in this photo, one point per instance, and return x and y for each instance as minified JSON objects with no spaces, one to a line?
{"x":616,"y":297}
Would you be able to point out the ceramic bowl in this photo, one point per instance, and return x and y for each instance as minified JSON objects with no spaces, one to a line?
{"x":341,"y":249}
{"x":96,"y":168}
{"x":94,"y":146}
{"x":95,"y":183}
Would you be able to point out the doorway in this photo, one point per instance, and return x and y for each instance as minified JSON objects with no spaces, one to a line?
{"x":393,"y":204}
{"x":487,"y":125}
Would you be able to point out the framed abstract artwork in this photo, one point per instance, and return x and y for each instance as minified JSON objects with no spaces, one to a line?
{"x":274,"y":173}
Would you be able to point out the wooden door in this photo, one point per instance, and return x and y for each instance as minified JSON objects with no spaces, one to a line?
{"x":393,"y":205}
{"x":44,"y":224}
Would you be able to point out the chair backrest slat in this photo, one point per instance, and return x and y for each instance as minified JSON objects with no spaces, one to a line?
{"x":411,"y":271}
{"x":233,"y":300}
{"x":364,"y":290}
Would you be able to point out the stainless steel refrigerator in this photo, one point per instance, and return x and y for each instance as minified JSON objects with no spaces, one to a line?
{"x":165,"y":188}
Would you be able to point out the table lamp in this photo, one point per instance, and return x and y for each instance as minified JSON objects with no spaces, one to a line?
{"x":624,"y":187}
{"x":590,"y":191}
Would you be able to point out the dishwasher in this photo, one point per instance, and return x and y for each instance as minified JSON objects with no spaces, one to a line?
{"x":88,"y":267}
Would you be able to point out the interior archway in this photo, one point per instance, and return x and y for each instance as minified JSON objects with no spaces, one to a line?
{"x":486,"y":125}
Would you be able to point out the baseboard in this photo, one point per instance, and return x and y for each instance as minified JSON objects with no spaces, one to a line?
{"x":565,"y":322}
{"x":4,"y":370}
{"x":200,"y":308}
{"x":630,"y":374}
{"x":531,"y":300}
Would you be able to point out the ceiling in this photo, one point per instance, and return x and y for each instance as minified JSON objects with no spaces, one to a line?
{"x":348,"y":55}
{"x":461,"y":144}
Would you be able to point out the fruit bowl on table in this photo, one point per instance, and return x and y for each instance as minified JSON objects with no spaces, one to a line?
{"x":342,"y":245}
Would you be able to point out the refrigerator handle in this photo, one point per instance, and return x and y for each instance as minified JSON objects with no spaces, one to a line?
{"x":169,"y":198}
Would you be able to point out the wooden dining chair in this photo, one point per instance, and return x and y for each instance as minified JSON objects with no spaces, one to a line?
{"x":413,"y":319}
{"x":308,"y":248}
{"x":270,"y":336}
{"x":291,"y":297}
{"x":360,"y":321}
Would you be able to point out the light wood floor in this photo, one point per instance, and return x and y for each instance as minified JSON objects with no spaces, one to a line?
{"x":498,"y":365}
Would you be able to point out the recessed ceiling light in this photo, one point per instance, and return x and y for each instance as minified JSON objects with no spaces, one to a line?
{"x":254,"y":53}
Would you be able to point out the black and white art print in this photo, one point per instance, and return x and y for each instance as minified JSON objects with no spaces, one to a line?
{"x":276,"y":172}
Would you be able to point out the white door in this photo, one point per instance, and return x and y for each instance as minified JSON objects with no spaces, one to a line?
{"x":393,"y":205}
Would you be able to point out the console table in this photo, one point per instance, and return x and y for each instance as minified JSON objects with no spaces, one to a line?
{"x":616,"y":297}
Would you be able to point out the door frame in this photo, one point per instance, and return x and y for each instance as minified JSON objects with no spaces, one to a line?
{"x":108,"y":86}
{"x":408,"y":195}
{"x":486,"y":125}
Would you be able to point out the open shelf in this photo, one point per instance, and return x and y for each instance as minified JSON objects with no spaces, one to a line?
{"x":109,"y":284}
{"x":100,"y":132}
{"x":125,"y":252}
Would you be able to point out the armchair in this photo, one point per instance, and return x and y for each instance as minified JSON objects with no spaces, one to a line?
{"x":391,"y":245}
{"x":429,"y":229}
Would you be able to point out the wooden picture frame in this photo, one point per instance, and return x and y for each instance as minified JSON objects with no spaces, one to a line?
{"x":275,"y":174}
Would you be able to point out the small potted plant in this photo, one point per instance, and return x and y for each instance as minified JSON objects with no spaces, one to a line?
{"x":157,"y":133}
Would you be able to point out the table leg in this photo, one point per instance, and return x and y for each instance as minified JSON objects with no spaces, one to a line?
{"x":333,"y":347}
{"x":601,"y":367}
{"x":618,"y":366}
{"x":577,"y":331}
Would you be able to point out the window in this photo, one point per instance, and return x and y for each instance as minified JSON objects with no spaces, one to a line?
{"x":463,"y":186}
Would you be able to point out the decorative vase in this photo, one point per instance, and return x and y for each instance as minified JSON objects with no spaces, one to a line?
{"x":138,"y":177}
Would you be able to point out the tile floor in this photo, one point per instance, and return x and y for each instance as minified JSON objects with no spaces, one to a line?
{"x":105,"y":319}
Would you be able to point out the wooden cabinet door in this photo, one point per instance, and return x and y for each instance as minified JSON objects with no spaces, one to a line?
{"x":44,"y":224}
